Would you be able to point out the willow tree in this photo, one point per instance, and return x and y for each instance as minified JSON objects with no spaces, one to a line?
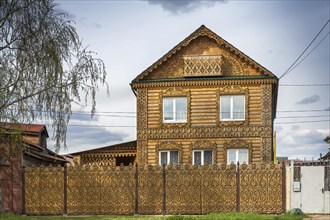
{"x":44,"y":67}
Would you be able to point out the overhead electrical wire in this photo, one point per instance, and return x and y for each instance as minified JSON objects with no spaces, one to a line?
{"x":293,"y":64}
{"x":308,"y":53}
{"x":297,"y":122}
{"x":297,"y":85}
{"x":307,"y":116}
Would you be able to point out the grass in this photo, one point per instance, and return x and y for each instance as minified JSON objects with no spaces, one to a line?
{"x":223,"y":216}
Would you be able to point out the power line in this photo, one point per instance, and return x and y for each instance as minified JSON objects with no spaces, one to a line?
{"x":309,"y":53}
{"x":308,"y":116}
{"x":297,"y":122}
{"x":312,"y":110}
{"x":104,"y":126}
{"x":293,"y":85}
{"x":289,"y":69}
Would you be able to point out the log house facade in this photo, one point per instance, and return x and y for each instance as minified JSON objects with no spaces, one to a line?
{"x":205,"y":102}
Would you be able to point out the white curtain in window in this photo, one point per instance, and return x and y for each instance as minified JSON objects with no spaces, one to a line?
{"x":163,"y":158}
{"x":231,"y":156}
{"x":197,"y":158}
{"x":174,"y":157}
{"x":243,"y":156}
{"x":237,"y":155}
{"x":207,"y":157}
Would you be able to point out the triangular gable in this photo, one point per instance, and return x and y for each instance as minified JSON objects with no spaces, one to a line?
{"x":200,"y":33}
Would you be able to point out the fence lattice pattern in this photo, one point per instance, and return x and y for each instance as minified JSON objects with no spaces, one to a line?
{"x":154,"y":190}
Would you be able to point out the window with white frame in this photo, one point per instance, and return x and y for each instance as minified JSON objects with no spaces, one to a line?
{"x":175,"y":109}
{"x":232,"y":108}
{"x":202,"y":157}
{"x":237,"y":155}
{"x":167,"y":157}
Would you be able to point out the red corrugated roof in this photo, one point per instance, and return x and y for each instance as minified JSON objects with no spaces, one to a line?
{"x":34,"y":128}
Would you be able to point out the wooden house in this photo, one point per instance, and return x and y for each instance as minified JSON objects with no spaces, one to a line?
{"x":205,"y":102}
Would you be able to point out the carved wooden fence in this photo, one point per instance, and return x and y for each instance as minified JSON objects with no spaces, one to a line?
{"x":154,"y":190}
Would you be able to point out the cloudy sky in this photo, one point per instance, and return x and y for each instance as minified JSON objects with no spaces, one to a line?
{"x":131,"y":35}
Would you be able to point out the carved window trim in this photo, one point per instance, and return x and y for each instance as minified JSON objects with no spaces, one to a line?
{"x":174,"y":92}
{"x":228,"y":91}
{"x":169,"y":146}
{"x":203,"y":145}
{"x":238,"y":144}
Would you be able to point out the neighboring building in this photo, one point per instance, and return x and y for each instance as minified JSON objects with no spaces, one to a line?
{"x":32,"y":151}
{"x":281,"y":159}
{"x":205,"y":102}
{"x":113,"y":155}
{"x":308,"y":186}
{"x":327,"y":155}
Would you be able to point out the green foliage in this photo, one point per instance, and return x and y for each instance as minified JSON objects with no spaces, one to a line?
{"x":44,"y":67}
{"x":10,"y":142}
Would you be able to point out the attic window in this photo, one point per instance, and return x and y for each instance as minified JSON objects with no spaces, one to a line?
{"x":202,"y":65}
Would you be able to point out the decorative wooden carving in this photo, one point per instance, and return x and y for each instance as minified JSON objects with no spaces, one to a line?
{"x":142,"y":112}
{"x":44,"y":190}
{"x":205,"y":132}
{"x":100,"y":190}
{"x":266,"y":150}
{"x":188,"y":190}
{"x":142,"y":152}
{"x":266,"y":104}
{"x":260,"y":188}
{"x":202,"y":65}
{"x":253,"y":80}
{"x":104,"y":160}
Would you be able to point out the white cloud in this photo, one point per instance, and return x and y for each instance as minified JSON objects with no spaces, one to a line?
{"x":302,"y":143}
{"x":183,"y":6}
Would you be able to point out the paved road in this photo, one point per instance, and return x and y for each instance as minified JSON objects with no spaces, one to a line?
{"x":318,"y":217}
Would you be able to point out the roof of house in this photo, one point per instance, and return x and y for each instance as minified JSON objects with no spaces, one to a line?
{"x":43,"y":154}
{"x":34,"y":149}
{"x":123,"y":148}
{"x":326,"y":156}
{"x":203,"y":31}
{"x":28,"y":128}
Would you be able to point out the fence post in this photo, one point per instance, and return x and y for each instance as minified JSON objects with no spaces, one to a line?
{"x":23,"y":191}
{"x":65,"y":195}
{"x":136,"y":210}
{"x":283,"y":187}
{"x":238,"y":189}
{"x":164,"y":190}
